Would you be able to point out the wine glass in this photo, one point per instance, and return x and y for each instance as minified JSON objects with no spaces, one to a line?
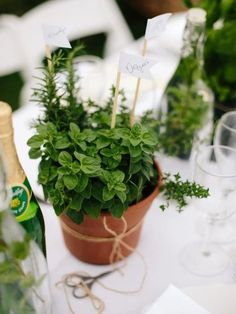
{"x":215,"y":168}
{"x":225,"y":134}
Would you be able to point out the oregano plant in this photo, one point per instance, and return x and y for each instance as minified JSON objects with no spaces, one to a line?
{"x":85,"y":166}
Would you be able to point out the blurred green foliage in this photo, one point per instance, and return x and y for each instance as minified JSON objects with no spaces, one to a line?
{"x":220,"y":50}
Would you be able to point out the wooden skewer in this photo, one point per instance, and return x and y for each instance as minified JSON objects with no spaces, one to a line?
{"x":132,"y":113}
{"x":49,"y":56}
{"x":115,"y":103}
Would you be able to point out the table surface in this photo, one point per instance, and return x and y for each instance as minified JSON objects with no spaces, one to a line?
{"x":163,"y":235}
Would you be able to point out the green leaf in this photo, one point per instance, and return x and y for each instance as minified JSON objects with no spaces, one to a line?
{"x":35,"y":141}
{"x":82,"y":183}
{"x":92,"y":207}
{"x":70,"y":181}
{"x":89,"y":165}
{"x":120,"y":187}
{"x":53,"y":153}
{"x":3,"y":248}
{"x":102,"y":142}
{"x":146,"y":149}
{"x":52,"y":173}
{"x":148,"y":139}
{"x":76,"y":202}
{"x":62,"y":142}
{"x":34,"y":153}
{"x":121,"y":195}
{"x":107,"y":195}
{"x":136,"y":130}
{"x":117,"y":176}
{"x":43,"y":176}
{"x":74,"y":131}
{"x":111,"y":163}
{"x":134,"y":167}
{"x":87,"y":192}
{"x":58,"y":208}
{"x":107,"y":152}
{"x":134,"y":141}
{"x":51,"y":128}
{"x":9,"y":273}
{"x":63,"y":170}
{"x":59,"y":184}
{"x":42,"y":130}
{"x":97,"y":191}
{"x":20,"y":250}
{"x":27,"y":281}
{"x":135,"y":151}
{"x":82,"y":145}
{"x":90,"y":135}
{"x":140,"y":187}
{"x":76,"y":216}
{"x":105,"y":175}
{"x":75,"y":167}
{"x":117,"y":208}
{"x":64,"y":158}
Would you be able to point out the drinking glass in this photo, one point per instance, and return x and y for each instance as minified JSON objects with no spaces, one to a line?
{"x":225,"y":134}
{"x":215,"y":169}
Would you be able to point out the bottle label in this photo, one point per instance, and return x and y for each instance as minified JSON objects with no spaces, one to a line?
{"x":21,"y":204}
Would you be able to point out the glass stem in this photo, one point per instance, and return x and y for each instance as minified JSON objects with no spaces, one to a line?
{"x":207,"y":238}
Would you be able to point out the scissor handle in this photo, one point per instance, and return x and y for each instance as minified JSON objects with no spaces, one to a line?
{"x":84,"y":281}
{"x":75,"y":279}
{"x":80,"y":290}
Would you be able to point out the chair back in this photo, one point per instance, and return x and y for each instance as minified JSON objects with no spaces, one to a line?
{"x":25,"y":47}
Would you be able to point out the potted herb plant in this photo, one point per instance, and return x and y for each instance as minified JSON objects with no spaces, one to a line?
{"x":100,"y":180}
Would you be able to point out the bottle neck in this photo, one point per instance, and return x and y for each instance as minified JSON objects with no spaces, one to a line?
{"x":15,"y":173}
{"x":193,"y":42}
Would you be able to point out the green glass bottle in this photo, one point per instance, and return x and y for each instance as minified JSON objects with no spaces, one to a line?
{"x":187,"y":103}
{"x":24,"y":280}
{"x":23,"y":203}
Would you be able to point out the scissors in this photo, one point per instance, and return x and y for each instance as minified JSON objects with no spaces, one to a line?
{"x":78,"y":281}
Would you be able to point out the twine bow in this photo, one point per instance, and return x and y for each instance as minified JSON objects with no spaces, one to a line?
{"x":115,"y":255}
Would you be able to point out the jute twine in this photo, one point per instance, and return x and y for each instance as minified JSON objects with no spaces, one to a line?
{"x":115,"y":255}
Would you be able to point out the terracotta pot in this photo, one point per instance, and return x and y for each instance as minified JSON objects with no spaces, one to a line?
{"x":99,"y":252}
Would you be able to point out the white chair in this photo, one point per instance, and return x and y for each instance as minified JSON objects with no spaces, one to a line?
{"x":81,"y":18}
{"x":12,"y":52}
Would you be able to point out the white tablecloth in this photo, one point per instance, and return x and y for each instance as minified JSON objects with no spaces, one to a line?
{"x":163,"y":235}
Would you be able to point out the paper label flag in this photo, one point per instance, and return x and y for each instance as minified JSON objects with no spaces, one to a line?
{"x":136,"y":65}
{"x":55,"y":36}
{"x":156,"y":25}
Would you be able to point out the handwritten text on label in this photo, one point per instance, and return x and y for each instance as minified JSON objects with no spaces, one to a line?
{"x":136,"y":65}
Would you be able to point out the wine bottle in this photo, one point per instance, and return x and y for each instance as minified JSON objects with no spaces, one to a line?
{"x":187,"y":113}
{"x":23,"y":203}
{"x":24,"y":281}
